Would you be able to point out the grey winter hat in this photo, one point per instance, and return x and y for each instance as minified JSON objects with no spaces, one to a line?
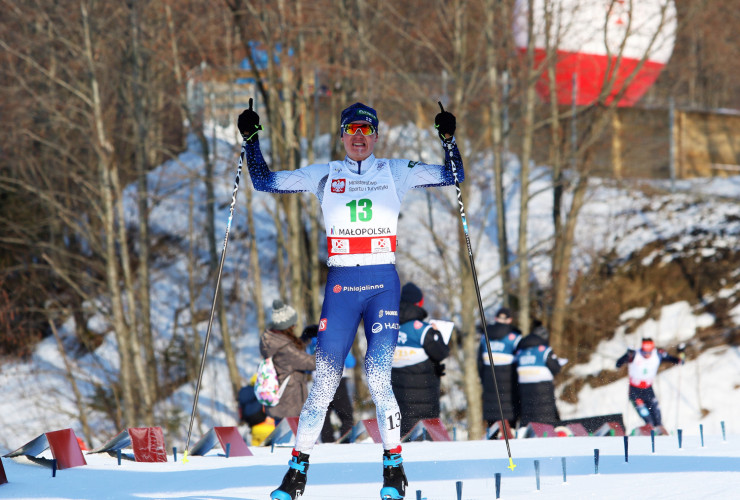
{"x":283,"y":316}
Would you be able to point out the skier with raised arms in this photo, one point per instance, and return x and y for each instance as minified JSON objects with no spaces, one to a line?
{"x":360,"y":198}
{"x":643,"y":369}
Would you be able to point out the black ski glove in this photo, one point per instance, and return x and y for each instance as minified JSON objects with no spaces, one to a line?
{"x":249,"y":123}
{"x":445,"y":124}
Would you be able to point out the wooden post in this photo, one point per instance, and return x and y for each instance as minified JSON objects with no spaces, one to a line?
{"x":617,"y":145}
{"x":672,"y":142}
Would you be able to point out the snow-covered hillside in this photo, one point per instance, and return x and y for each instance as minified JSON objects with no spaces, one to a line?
{"x":704,"y":390}
{"x":36,"y":397}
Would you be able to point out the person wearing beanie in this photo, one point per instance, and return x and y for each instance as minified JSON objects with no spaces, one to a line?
{"x":360,"y":198}
{"x":411,"y":294}
{"x":642,"y":370}
{"x":290,"y":359}
{"x":536,"y":368}
{"x":283,"y":317}
{"x":417,"y":361}
{"x":503,"y":339}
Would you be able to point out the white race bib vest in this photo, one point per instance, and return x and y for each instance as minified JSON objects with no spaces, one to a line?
{"x":642,"y":371}
{"x":360,"y":214}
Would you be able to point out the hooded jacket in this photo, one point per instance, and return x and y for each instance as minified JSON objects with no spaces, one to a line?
{"x":288,"y":359}
{"x":417,"y":386}
{"x":504,"y":340}
{"x":536,"y":366}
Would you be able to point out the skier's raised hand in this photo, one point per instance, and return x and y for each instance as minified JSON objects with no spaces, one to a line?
{"x":445,"y":123}
{"x":249,"y":123}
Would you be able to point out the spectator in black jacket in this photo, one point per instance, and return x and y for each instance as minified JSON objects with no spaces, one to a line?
{"x":536,"y":368}
{"x":504,"y":340}
{"x":417,"y":361}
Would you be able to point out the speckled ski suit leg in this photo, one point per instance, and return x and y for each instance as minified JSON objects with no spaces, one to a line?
{"x":371,"y":293}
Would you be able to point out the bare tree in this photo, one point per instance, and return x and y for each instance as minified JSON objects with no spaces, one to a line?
{"x":71,"y":78}
{"x":495,"y":42}
{"x":619,"y":43}
{"x":531,"y":74}
{"x":75,"y":95}
{"x":142,"y":107}
{"x":452,"y":49}
{"x":70,"y":376}
{"x":280,"y":85}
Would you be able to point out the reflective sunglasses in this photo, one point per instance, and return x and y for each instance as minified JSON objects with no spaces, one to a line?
{"x":352,"y":128}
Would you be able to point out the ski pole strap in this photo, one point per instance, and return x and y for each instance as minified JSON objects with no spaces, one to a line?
{"x":257,"y":128}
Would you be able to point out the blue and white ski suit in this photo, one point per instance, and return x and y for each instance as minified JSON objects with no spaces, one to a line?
{"x":360,"y":202}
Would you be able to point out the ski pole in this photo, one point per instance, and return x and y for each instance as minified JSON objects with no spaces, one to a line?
{"x":480,"y":301}
{"x":215,"y":294}
{"x":681,"y":356}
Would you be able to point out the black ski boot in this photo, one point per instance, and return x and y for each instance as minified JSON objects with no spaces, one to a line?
{"x":394,"y":479}
{"x":294,"y":481}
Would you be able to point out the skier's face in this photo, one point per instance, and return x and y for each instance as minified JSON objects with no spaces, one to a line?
{"x":647,"y":348}
{"x":359,"y":146}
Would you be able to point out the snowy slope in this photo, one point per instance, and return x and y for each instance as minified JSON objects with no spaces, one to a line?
{"x":35,"y":397}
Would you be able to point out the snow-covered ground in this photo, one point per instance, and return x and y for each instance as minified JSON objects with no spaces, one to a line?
{"x":354,"y":472}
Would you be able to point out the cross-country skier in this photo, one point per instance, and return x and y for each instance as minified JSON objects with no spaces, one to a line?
{"x":360,"y":199}
{"x":642,"y":370}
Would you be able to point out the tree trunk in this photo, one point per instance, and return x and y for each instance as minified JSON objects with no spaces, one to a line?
{"x":556,"y":164}
{"x":470,"y":342}
{"x":254,"y":265}
{"x":312,"y":260}
{"x":104,"y":151}
{"x":192,"y":357}
{"x":526,"y":155}
{"x":229,"y":353}
{"x":561,"y":284}
{"x":146,"y":411}
{"x":617,"y":146}
{"x":296,"y":258}
{"x":496,"y":127}
{"x":141,"y":156}
{"x":69,"y":374}
{"x":279,"y":253}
